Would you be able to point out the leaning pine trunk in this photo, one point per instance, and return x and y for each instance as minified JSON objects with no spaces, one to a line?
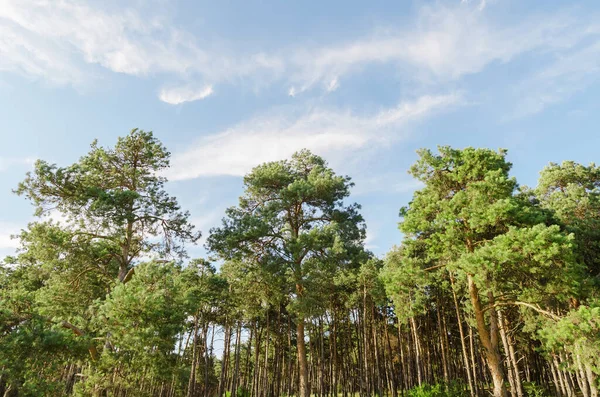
{"x":489,"y":340}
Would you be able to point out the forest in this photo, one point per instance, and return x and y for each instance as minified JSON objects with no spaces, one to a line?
{"x":493,"y":287}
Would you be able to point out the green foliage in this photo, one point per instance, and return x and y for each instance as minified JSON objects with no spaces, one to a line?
{"x":101,"y":303}
{"x":115,"y":196}
{"x":405,"y":281}
{"x":468,"y":221}
{"x":291,"y":225}
{"x":70,"y":293}
{"x":526,"y":264}
{"x":469,"y":225}
{"x":572,"y":192}
{"x":142,"y":320}
{"x":241,"y":392}
{"x":534,"y":390}
{"x":451,"y":389}
{"x":578,"y":333}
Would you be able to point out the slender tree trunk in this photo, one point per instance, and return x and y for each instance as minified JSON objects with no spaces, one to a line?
{"x":304,"y":390}
{"x":209,"y":354}
{"x":236,"y":370}
{"x":265,"y":377}
{"x":509,"y":365}
{"x":192,"y":381}
{"x":334,"y":351}
{"x":290,"y":362}
{"x":417,"y":348}
{"x":366,"y":349}
{"x":592,"y":379}
{"x":225,"y":361}
{"x":512,"y":355}
{"x":394,"y":383}
{"x":248,"y":355}
{"x":442,"y":344}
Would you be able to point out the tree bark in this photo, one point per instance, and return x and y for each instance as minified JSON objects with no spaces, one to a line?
{"x":489,"y":340}
{"x":302,"y":362}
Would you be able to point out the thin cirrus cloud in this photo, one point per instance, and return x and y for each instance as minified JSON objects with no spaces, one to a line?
{"x":567,"y":75}
{"x":236,"y":150}
{"x":7,"y":243}
{"x":178,"y":95}
{"x":62,"y":42}
{"x":8,"y":163}
{"x":59,"y":40}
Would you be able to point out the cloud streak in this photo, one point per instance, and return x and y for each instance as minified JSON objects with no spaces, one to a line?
{"x":59,"y":41}
{"x":178,"y":95}
{"x":562,"y":78}
{"x":445,"y":43}
{"x":7,"y":163}
{"x":236,"y":150}
{"x":55,"y":40}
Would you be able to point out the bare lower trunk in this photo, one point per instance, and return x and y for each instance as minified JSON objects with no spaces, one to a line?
{"x":192,"y":380}
{"x":417,"y":350}
{"x":489,"y":340}
{"x":509,"y":364}
{"x":591,"y":376}
{"x":302,"y":364}
{"x":462,"y":342}
{"x":236,"y":370}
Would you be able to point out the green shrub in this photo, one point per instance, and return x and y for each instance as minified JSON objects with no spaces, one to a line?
{"x":534,"y":390}
{"x":451,"y":389}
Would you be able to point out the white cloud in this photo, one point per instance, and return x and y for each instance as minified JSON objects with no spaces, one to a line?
{"x":6,"y":163}
{"x":567,"y":75}
{"x":236,"y":150}
{"x":178,"y":95}
{"x":333,"y":85}
{"x":7,"y":243}
{"x":58,"y":40}
{"x":482,"y":3}
{"x":444,"y":44}
{"x":370,"y":239}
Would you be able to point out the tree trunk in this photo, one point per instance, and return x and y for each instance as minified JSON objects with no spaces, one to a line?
{"x":417,"y":346}
{"x":225,"y":361}
{"x":192,"y":381}
{"x":236,"y":352}
{"x":489,"y":340}
{"x":304,"y":390}
{"x":591,"y":376}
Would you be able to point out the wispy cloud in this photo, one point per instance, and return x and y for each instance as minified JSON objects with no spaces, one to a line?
{"x":445,"y":43}
{"x":178,"y":95}
{"x":61,"y":41}
{"x":333,"y":85}
{"x":7,"y":243}
{"x":56,"y":39}
{"x":387,"y":182}
{"x":236,"y":150}
{"x":370,"y":239}
{"x":7,"y":163}
{"x":568,"y":74}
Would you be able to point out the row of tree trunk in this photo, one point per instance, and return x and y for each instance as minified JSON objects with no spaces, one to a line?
{"x":363,"y":350}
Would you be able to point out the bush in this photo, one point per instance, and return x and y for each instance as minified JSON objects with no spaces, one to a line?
{"x":451,"y":389}
{"x":534,"y":390}
{"x":241,"y":392}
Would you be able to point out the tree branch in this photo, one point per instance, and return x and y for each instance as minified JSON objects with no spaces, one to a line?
{"x":529,"y":305}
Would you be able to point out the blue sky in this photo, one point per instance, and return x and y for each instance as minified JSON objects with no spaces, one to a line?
{"x":227,"y":85}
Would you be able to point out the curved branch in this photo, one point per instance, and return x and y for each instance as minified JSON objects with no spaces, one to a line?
{"x":529,"y":305}
{"x":77,"y":331}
